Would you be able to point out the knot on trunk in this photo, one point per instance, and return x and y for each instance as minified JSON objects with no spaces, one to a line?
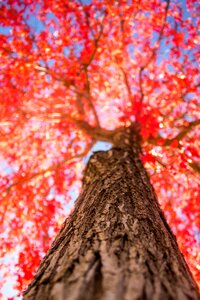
{"x":128,"y":137}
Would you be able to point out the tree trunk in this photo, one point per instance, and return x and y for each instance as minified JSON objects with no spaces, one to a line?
{"x":116,"y":244}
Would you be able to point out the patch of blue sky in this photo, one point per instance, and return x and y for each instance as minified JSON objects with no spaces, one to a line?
{"x":51,"y":63}
{"x":197,"y":234}
{"x":51,"y":16}
{"x":165,"y":132}
{"x":86,"y":1}
{"x":66,"y":51}
{"x":154,"y":38}
{"x":189,"y":118}
{"x":36,"y":25}
{"x":8,"y":289}
{"x":99,"y":13}
{"x":32,"y":19}
{"x":184,"y":218}
{"x":48,"y":63}
{"x":189,"y":96}
{"x":131,"y":50}
{"x":5,"y":30}
{"x":41,"y":63}
{"x":74,"y":192}
{"x":78,"y":47}
{"x":163,"y":52}
{"x":185,"y":12}
{"x":99,"y":146}
{"x":5,"y":168}
{"x":147,"y":14}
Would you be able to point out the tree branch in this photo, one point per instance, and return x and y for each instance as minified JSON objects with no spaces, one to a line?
{"x":89,"y":98}
{"x":178,"y":137}
{"x":183,"y":133}
{"x":160,"y":34}
{"x":96,"y":133}
{"x":52,"y":168}
{"x":140,"y":85}
{"x":96,"y":42}
{"x":152,"y":54}
{"x":126,"y":81}
{"x":195,"y":166}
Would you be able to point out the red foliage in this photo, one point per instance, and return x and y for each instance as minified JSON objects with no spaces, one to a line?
{"x":106,"y":63}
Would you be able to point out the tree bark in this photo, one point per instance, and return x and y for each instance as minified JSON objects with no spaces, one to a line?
{"x":116,"y":244}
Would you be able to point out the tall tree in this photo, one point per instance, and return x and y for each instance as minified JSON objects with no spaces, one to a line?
{"x":80,"y":72}
{"x":116,"y":244}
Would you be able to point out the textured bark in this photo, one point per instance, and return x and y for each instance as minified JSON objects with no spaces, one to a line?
{"x":116,"y":244}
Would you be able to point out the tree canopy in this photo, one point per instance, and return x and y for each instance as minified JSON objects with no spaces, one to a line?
{"x":72,"y":73}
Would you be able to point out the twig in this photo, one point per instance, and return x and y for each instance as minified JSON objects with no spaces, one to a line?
{"x":178,"y":137}
{"x":152,"y":55}
{"x":183,"y":133}
{"x":160,"y":35}
{"x":89,"y":98}
{"x":126,"y":81}
{"x":50,"y":169}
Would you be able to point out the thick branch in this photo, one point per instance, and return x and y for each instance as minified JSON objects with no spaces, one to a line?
{"x":183,"y":133}
{"x":195,"y":166}
{"x":96,"y":133}
{"x":178,"y":137}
